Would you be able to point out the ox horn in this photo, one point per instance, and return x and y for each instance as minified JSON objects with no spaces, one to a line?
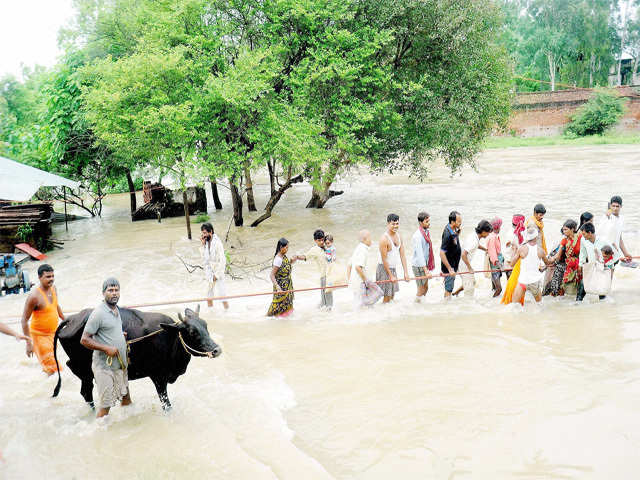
{"x":198,"y":309}
{"x":180,"y":317}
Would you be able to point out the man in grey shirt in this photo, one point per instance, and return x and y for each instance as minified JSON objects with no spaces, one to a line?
{"x":103,"y":334}
{"x":422,"y":260}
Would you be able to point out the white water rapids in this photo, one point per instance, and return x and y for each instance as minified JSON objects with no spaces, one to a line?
{"x":465,"y":389}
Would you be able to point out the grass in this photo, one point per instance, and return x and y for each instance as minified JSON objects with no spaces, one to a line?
{"x":610,"y":138}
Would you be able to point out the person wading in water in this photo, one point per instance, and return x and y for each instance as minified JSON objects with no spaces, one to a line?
{"x":391,"y":252}
{"x":282,"y":303}
{"x":43,"y":309}
{"x":422,"y":260}
{"x":450,"y":251}
{"x":103,"y":334}
{"x":215,"y":263}
{"x":531,"y":256}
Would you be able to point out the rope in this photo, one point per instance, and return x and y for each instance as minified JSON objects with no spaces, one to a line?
{"x":190,"y":350}
{"x":284,"y":292}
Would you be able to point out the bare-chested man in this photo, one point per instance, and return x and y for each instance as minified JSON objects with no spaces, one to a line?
{"x":43,"y":309}
{"x":391,"y":252}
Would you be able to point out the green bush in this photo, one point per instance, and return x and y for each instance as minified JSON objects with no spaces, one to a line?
{"x":601,"y":112}
{"x":202,"y":217}
{"x":24,"y":231}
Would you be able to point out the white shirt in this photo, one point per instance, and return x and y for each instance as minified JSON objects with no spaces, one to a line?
{"x":358,"y":259}
{"x":318,"y":256}
{"x":609,"y":230}
{"x":215,"y":262}
{"x":470,"y":245}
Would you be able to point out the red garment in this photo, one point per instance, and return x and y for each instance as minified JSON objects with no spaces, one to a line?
{"x":572,"y":259}
{"x":431,"y":264}
{"x":493,"y":247}
{"x":518,"y":223}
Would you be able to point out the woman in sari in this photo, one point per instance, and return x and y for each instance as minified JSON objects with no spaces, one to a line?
{"x":282,"y":303}
{"x":566,"y":274}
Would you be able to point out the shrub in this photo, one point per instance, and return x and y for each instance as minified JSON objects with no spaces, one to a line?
{"x":24,"y":231}
{"x":202,"y":217}
{"x":601,"y":112}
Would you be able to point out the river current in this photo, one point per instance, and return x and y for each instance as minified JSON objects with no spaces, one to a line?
{"x":464,"y":389}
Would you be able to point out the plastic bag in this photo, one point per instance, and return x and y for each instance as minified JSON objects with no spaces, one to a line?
{"x":597,"y":279}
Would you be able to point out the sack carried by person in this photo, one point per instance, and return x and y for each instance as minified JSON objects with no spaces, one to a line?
{"x":370,"y":293}
{"x":597,"y":279}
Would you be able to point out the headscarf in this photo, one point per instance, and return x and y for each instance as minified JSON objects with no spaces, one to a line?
{"x":518,"y":223}
{"x":540,"y":226}
{"x":496,"y":223}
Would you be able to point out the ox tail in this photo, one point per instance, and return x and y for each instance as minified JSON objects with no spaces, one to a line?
{"x":63,"y":324}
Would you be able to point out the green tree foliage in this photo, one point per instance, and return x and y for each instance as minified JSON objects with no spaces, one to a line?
{"x":600,"y":113}
{"x":573,"y":42}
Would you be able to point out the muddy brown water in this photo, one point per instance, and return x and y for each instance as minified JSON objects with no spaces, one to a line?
{"x":465,"y":389}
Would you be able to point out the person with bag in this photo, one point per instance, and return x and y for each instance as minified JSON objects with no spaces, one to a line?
{"x":596,"y":279}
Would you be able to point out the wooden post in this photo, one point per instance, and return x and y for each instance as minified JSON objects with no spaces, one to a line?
{"x":64,"y":196}
{"x":186,"y":212}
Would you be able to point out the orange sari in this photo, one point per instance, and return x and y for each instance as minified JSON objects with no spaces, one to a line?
{"x":42,"y":329}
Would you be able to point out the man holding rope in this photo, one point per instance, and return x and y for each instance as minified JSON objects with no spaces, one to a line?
{"x":450,"y":252}
{"x":103,"y":334}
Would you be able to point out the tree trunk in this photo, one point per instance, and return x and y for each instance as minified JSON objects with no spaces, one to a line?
{"x":275,"y":198}
{"x":319,"y":197}
{"x":132,"y":192}
{"x":321,"y":194}
{"x":186,"y":213}
{"x":214,"y":193}
{"x":592,"y":67}
{"x":236,"y":201}
{"x":552,"y":70}
{"x":272,"y":176}
{"x":623,"y":39}
{"x":251,"y":202}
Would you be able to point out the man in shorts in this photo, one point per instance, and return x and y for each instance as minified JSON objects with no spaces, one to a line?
{"x":103,"y":334}
{"x":532,"y":257}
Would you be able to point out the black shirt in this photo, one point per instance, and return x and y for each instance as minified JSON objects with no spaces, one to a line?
{"x":451,"y":247}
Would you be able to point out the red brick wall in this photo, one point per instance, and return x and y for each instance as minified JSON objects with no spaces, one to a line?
{"x":539,"y":114}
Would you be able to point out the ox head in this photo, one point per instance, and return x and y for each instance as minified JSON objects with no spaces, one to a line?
{"x":195,"y":334}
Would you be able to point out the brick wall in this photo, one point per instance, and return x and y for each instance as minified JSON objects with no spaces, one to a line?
{"x":539,"y":114}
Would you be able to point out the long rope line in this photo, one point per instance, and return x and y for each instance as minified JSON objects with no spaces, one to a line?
{"x":284,"y":292}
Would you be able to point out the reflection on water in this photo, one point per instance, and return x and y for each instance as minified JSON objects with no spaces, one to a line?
{"x":433,"y":390}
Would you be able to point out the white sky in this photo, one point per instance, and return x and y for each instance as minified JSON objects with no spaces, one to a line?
{"x":29,"y":32}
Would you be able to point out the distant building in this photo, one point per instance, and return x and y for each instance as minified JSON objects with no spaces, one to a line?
{"x":628,"y":62}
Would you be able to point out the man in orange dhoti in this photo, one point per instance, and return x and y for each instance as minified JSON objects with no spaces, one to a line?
{"x":43,"y":310}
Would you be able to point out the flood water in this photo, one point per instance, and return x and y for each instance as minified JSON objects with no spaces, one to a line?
{"x":465,"y":389}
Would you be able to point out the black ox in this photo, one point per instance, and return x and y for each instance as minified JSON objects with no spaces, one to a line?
{"x":162,"y":356}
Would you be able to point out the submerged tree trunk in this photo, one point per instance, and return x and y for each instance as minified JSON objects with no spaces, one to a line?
{"x":214,"y":193}
{"x":322,"y":192}
{"x":236,"y":201}
{"x":186,"y":213}
{"x":251,"y":202}
{"x":132,"y":192}
{"x":276,"y":196}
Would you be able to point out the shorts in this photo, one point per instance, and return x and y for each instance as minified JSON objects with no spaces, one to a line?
{"x":217,"y":289}
{"x":111,"y":385}
{"x":419,"y":272}
{"x":534,"y":288}
{"x":448,"y":283}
